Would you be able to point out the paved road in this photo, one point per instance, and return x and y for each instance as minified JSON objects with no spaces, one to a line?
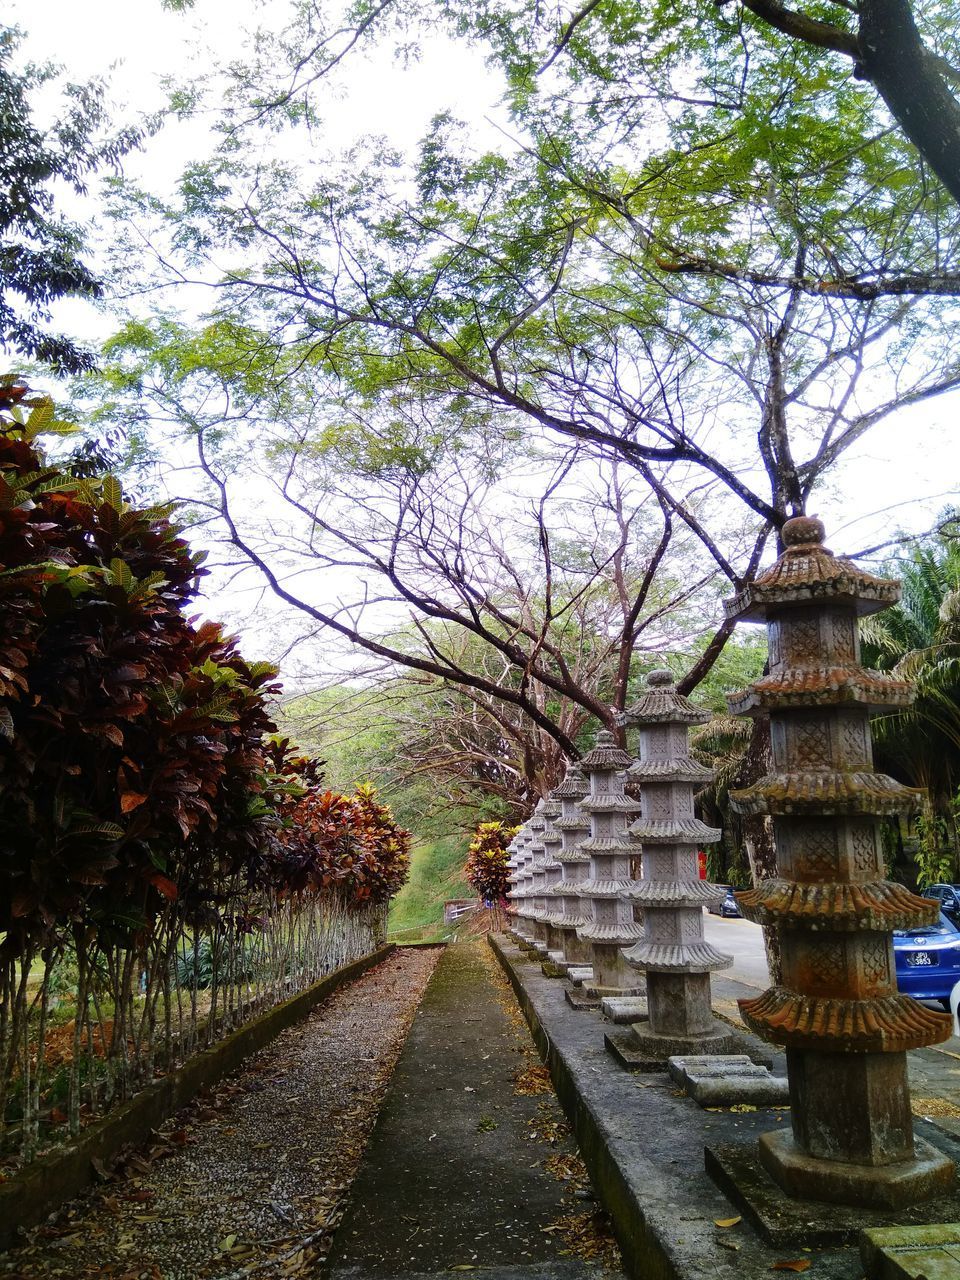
{"x":744,"y":941}
{"x":471,"y":1166}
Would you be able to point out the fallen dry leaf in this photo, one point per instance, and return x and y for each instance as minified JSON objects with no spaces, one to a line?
{"x":797,"y":1264}
{"x":726,"y":1222}
{"x":528,"y":1082}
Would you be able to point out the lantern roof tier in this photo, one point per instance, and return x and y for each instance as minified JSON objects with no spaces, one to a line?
{"x":661,"y":703}
{"x":849,"y":906}
{"x":608,"y":802}
{"x":807,"y":573}
{"x":683,"y":831}
{"x":673,"y":957}
{"x":612,"y":933}
{"x":829,"y":686}
{"x":675,"y":893}
{"x":606,"y":754}
{"x":884,"y":1024}
{"x":677,"y":769}
{"x":600,"y":888}
{"x":826,"y":792}
{"x":574,"y":785}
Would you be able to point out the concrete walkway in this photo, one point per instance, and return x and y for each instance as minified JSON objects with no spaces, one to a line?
{"x":471,"y":1165}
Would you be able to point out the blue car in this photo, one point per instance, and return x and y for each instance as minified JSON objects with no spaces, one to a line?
{"x":727,"y":906}
{"x":928,"y":961}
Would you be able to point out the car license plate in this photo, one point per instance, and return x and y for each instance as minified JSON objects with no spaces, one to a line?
{"x":920,"y":958}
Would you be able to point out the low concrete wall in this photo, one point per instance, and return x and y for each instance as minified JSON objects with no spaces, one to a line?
{"x":644,"y":1256}
{"x":30,"y":1195}
{"x":643,"y":1143}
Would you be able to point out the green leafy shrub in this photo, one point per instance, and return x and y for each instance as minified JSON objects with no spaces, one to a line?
{"x":131,"y":742}
{"x":486,"y":870}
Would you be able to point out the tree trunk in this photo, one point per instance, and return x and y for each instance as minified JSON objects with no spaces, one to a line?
{"x":906,"y":76}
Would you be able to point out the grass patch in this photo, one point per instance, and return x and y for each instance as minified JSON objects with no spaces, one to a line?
{"x":436,"y":874}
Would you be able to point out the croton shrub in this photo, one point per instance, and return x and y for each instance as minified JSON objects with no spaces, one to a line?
{"x":350,"y":844}
{"x":136,"y":766}
{"x":486,"y":870}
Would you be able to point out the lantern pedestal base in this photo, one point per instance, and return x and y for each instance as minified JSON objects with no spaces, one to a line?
{"x":893,"y":1186}
{"x":640,"y":1049}
{"x":788,"y":1223}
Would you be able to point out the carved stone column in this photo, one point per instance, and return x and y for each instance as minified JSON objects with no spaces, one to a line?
{"x":538,"y":869}
{"x":677,"y":959}
{"x":551,"y":842}
{"x":610,"y":923}
{"x":522,"y":888}
{"x":838,"y":1013}
{"x":574,"y":827}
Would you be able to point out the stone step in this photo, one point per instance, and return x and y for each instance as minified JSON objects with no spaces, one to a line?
{"x":912,"y":1253}
{"x":623,"y":1009}
{"x":728,"y":1080}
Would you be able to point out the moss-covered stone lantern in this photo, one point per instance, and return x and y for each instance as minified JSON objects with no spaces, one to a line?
{"x":845,"y":1027}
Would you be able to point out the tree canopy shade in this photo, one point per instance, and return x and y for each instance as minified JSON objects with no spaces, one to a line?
{"x":664,"y":246}
{"x":914,"y":78}
{"x":534,"y":581}
{"x":919,"y":639}
{"x":41,"y":251}
{"x":692,"y":255}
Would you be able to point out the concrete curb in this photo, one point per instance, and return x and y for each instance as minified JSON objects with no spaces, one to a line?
{"x":28,"y":1197}
{"x":643,"y":1253}
{"x":643,"y":1145}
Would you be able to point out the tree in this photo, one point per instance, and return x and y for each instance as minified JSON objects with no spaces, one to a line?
{"x":40,"y":250}
{"x":583,"y":287}
{"x":131,"y":740}
{"x":888,"y":49}
{"x":529,"y":581}
{"x":745,"y":95}
{"x":486,"y":870}
{"x":919,"y":640}
{"x":720,"y":281}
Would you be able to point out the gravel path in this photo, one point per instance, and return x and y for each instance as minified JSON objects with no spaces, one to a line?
{"x":251,"y":1179}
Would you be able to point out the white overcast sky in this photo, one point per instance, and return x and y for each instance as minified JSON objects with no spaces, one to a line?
{"x":900,"y":476}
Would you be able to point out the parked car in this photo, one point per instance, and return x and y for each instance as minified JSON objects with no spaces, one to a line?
{"x":727,"y":906}
{"x":948,"y":896}
{"x":928,"y":960}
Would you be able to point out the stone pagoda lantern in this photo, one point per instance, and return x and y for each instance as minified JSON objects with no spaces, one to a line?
{"x":523,"y":880}
{"x":538,"y":869}
{"x":845,"y":1028}
{"x":551,"y":842}
{"x":513,"y":862}
{"x":673,"y":952}
{"x":603,"y":895}
{"x":574,"y":827}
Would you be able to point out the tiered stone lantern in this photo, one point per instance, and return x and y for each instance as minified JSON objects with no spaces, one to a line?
{"x":677,"y":959}
{"x":552,"y":840}
{"x":538,"y":870}
{"x":574,"y":827}
{"x":513,"y":875}
{"x":522,"y":888}
{"x":603,"y":895}
{"x":838,"y":1013}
